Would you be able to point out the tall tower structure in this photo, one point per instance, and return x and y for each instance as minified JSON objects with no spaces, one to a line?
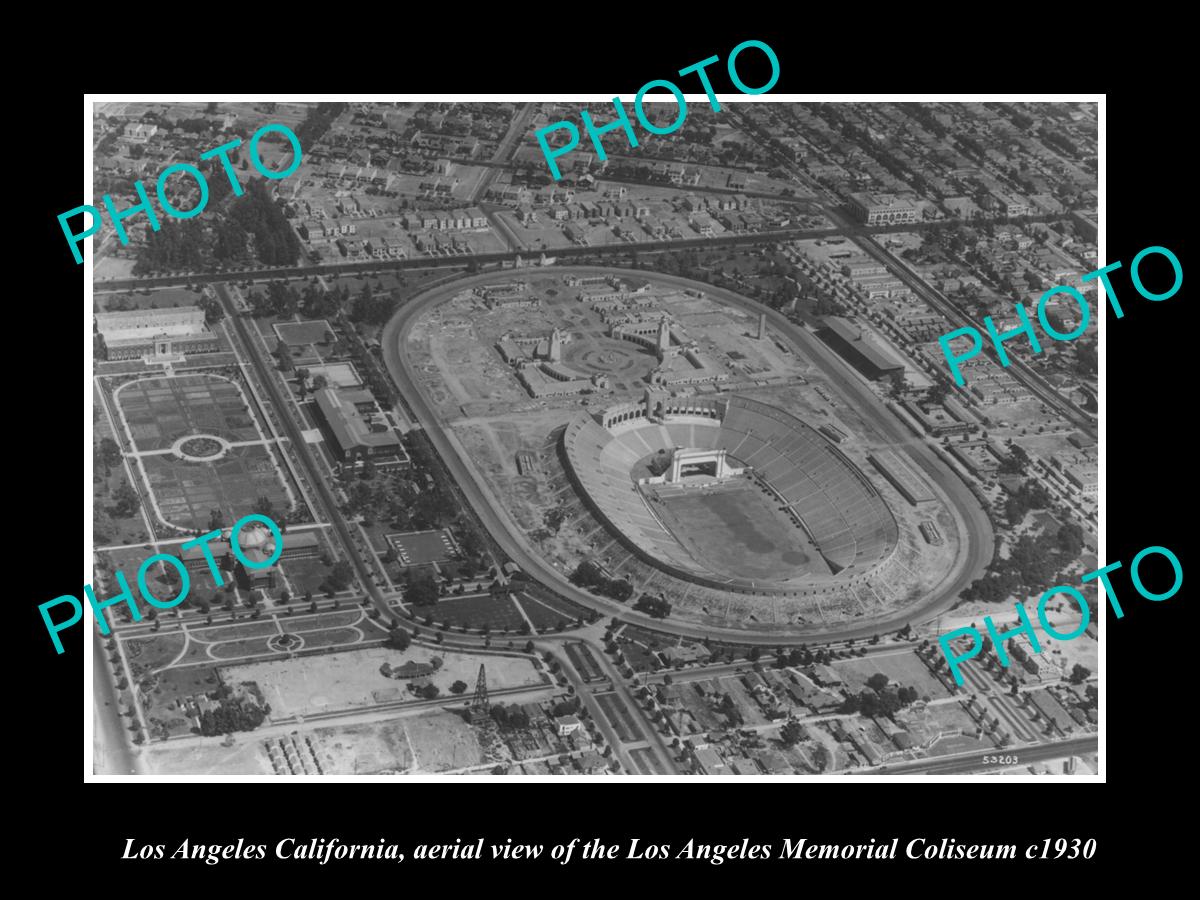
{"x":480,"y":708}
{"x":555,"y":345}
{"x":762,"y":325}
{"x":664,"y":338}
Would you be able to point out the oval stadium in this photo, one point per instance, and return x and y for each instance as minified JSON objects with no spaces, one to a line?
{"x":730,"y":493}
{"x":692,"y":447}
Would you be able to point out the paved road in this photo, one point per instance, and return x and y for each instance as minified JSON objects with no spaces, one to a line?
{"x":313,"y":473}
{"x":658,"y":746}
{"x":512,"y":540}
{"x":113,"y":753}
{"x":504,"y":152}
{"x":1021,"y":371}
{"x":973,"y":761}
{"x":742,"y":666}
{"x":594,"y":710}
{"x":499,"y":161}
{"x":564,"y":253}
{"x":376,"y":265}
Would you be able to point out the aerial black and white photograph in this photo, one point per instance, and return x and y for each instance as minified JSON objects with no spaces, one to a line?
{"x":661,"y":467}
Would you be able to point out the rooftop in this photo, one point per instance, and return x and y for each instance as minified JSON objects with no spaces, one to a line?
{"x":350,"y":428}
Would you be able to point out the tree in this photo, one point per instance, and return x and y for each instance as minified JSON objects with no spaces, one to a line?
{"x":109,"y":452}
{"x":1070,"y":540}
{"x":285,"y":356}
{"x":656,"y":607}
{"x":587,"y":574}
{"x":619,"y":589}
{"x":125,"y":499}
{"x":458,"y":687}
{"x":877,"y":682}
{"x":1016,"y":463}
{"x":340,"y":575}
{"x":1086,"y":359}
{"x":399,"y":639}
{"x":422,"y":589}
{"x":1079,"y":674}
{"x":791,"y":733}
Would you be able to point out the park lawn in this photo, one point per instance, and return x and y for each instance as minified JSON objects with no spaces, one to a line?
{"x":499,"y":613}
{"x":304,"y":575}
{"x":543,"y":617}
{"x":145,"y":654}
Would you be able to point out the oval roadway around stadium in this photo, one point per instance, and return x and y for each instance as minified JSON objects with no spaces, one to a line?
{"x":509,"y":536}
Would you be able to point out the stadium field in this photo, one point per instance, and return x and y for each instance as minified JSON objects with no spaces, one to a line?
{"x":738,"y":530}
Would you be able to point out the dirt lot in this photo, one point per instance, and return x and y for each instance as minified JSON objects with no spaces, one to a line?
{"x":246,"y":757}
{"x":435,"y":742}
{"x":308,"y":685}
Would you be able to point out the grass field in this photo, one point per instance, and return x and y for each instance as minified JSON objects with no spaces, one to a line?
{"x":619,"y":717}
{"x":300,"y":334}
{"x":737,"y":530}
{"x":339,"y":374}
{"x":241,"y":631}
{"x":498,"y":614}
{"x":545,"y":618}
{"x":564,"y":608}
{"x":241,"y":649}
{"x":305,"y":575}
{"x":147,"y":654}
{"x":647,"y":762}
{"x":584,"y":662}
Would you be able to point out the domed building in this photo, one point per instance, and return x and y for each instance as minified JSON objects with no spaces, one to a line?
{"x":257,"y":545}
